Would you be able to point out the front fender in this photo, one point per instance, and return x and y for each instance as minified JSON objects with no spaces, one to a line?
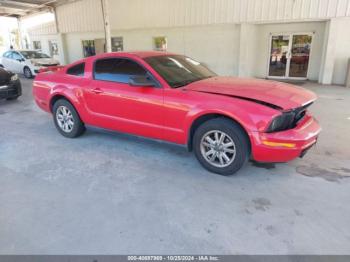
{"x":253,"y":117}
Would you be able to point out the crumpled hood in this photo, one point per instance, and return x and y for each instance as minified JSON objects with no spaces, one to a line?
{"x":44,"y":61}
{"x":285,"y":96}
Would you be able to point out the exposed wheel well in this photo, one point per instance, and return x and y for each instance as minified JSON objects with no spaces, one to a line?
{"x":200,"y":120}
{"x":56,"y":98}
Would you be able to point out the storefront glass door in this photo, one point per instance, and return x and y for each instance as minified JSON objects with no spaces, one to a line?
{"x":289,"y":56}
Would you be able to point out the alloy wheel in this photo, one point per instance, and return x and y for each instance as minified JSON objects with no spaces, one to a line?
{"x":65,"y":119}
{"x":218,"y":148}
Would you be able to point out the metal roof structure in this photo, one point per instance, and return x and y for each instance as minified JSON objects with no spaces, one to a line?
{"x":19,"y":8}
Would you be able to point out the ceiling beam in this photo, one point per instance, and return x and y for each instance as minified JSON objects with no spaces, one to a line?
{"x":27,"y":10}
{"x":20,"y":4}
{"x":10,"y":10}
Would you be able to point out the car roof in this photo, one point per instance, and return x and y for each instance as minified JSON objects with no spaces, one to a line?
{"x":21,"y":50}
{"x":27,"y":50}
{"x":140,"y":54}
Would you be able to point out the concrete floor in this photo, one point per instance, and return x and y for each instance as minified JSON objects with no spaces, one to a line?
{"x":108,"y":193}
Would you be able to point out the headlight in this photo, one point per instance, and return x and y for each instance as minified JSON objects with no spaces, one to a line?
{"x":282,"y":122}
{"x":14,"y":77}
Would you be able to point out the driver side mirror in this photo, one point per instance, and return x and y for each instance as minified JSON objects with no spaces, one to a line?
{"x":20,"y":59}
{"x":144,"y":81}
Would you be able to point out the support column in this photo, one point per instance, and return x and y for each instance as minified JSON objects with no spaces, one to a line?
{"x":19,"y":25}
{"x":106,"y":25}
{"x":328,"y":56}
{"x":247,"y":41}
{"x":61,"y":41}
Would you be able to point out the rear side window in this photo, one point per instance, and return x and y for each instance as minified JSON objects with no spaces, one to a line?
{"x":77,"y":70}
{"x":117,"y":70}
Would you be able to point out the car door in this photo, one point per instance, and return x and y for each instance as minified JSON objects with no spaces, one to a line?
{"x":17,"y":62}
{"x":7,"y":60}
{"x":116,"y":104}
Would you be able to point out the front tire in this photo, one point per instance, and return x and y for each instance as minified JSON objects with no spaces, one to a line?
{"x":67,"y":120}
{"x":27,"y":72}
{"x":221,"y":146}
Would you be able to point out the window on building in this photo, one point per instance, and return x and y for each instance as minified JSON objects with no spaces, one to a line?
{"x":37,"y":45}
{"x":76,"y":70}
{"x":117,"y":44}
{"x":88,"y":48}
{"x":117,"y":70}
{"x":160,"y":43}
{"x":53,"y":45}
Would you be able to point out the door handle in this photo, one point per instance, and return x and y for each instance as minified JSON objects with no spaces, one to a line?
{"x":97,"y":91}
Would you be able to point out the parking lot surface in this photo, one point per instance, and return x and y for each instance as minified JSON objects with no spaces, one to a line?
{"x":110,"y":193}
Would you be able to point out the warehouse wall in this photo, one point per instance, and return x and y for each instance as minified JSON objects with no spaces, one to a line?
{"x":172,"y":13}
{"x":217,"y":46}
{"x":86,"y":15}
{"x":80,"y":16}
{"x":341,"y":50}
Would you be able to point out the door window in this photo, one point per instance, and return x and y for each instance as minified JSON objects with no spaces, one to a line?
{"x":299,"y":61}
{"x":16,"y":56}
{"x":278,"y":55}
{"x":117,"y":70}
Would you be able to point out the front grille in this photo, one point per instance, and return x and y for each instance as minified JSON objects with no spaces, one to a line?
{"x":49,"y":64}
{"x":4,"y":82}
{"x":8,"y":93}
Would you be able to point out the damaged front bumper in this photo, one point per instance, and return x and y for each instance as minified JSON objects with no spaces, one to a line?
{"x":285,"y":145}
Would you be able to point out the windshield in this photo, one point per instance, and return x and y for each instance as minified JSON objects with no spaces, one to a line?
{"x":179,"y":70}
{"x":33,"y":55}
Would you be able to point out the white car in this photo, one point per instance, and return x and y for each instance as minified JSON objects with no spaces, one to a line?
{"x":27,"y":62}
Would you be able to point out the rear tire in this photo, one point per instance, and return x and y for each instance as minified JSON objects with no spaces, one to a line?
{"x":221,"y":146}
{"x":67,"y":120}
{"x":27,"y":72}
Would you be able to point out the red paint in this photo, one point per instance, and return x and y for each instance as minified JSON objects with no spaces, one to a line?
{"x":168,"y":114}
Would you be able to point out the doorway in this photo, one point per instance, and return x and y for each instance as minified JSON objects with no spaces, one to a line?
{"x":53,"y":46}
{"x":289,"y":56}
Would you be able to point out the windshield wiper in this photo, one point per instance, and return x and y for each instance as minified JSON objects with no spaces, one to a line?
{"x":183,"y":83}
{"x":187,"y":82}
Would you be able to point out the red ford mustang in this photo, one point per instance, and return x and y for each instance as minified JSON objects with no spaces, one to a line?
{"x":224,"y":120}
